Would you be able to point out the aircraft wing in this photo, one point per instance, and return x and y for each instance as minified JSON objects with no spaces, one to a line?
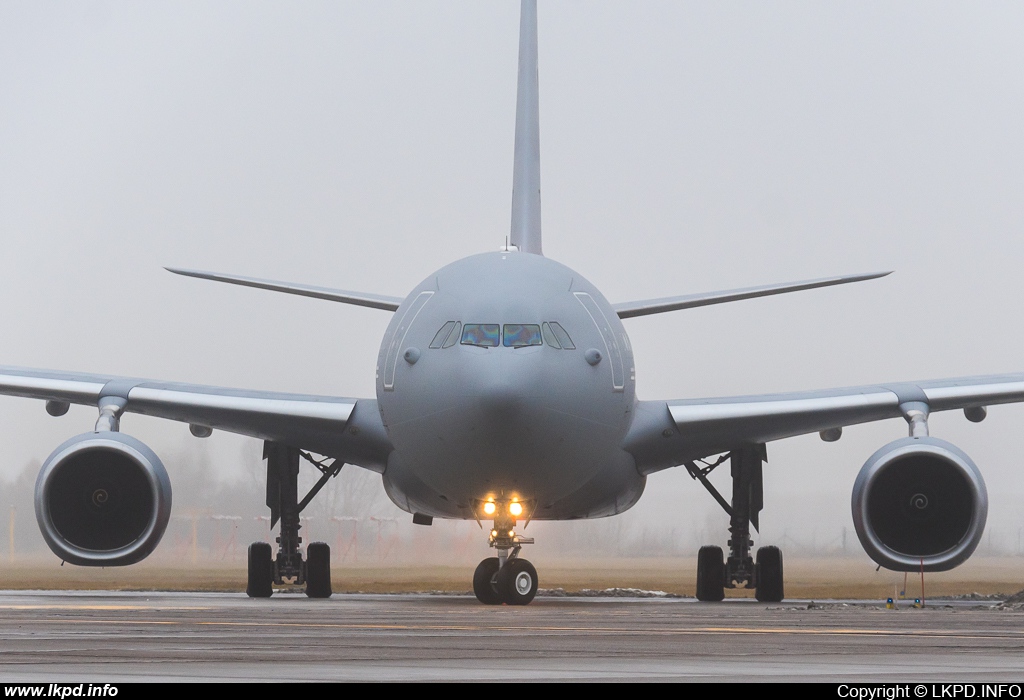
{"x":373,"y":301}
{"x":344,"y":428}
{"x":632,"y":309}
{"x":667,"y":433}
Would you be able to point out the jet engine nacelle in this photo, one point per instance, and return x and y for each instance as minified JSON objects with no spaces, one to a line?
{"x":103,"y":499}
{"x":919,"y":502}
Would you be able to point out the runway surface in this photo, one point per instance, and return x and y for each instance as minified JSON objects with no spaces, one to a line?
{"x":111,"y":637}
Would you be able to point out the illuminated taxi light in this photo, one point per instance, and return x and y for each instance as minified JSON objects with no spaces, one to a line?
{"x":494,"y":533}
{"x":511,"y":533}
{"x":515,"y":509}
{"x":489,"y":508}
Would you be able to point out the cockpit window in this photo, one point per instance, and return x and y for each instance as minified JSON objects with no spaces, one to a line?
{"x":549,"y":337}
{"x":442,"y":335}
{"x":521,"y":335}
{"x":454,"y":336}
{"x":563,"y":338}
{"x":484,"y":335}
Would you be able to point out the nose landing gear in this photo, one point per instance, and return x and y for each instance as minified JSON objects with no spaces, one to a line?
{"x":505,"y":578}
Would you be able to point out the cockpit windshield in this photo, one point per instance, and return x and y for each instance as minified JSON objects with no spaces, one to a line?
{"x":521,"y":335}
{"x":512,"y":335}
{"x":484,"y":335}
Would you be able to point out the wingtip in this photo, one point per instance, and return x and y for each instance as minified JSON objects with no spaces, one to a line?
{"x":874,"y":275}
{"x":182,"y":271}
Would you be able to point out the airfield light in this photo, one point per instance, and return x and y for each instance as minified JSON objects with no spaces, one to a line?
{"x":489,"y":508}
{"x":515,"y":509}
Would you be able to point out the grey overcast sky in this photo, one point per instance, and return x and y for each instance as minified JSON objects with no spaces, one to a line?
{"x":685,"y":146}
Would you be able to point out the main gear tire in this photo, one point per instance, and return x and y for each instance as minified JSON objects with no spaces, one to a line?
{"x":260,"y":583}
{"x":770,"y":587}
{"x":710,"y":574}
{"x":318,"y":570}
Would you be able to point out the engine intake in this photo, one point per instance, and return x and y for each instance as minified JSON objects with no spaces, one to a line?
{"x":919,"y":502}
{"x":102,"y":499}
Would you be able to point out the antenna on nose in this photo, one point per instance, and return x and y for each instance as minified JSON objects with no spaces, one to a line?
{"x":526,"y":170}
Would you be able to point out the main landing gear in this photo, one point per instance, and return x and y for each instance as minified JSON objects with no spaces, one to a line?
{"x":715,"y":573}
{"x":282,"y":497}
{"x":505,"y":578}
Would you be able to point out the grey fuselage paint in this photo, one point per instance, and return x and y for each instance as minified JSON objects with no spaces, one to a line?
{"x":536,"y":423}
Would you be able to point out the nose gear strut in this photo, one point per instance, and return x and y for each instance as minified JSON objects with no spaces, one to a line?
{"x":505,"y":578}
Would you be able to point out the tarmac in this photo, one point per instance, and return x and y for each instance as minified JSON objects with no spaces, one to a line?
{"x":111,"y":637}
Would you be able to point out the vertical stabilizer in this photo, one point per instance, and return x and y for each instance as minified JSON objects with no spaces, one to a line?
{"x":526,"y":171}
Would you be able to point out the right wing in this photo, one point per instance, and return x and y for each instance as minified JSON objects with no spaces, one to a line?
{"x":347,"y":429}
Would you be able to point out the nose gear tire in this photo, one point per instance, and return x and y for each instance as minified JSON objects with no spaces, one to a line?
{"x":483,"y":582}
{"x":517,"y":582}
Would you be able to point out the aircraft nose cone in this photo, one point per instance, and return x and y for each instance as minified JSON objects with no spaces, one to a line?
{"x":500,"y":401}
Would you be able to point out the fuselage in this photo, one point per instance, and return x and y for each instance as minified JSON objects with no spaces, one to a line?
{"x":505,"y":376}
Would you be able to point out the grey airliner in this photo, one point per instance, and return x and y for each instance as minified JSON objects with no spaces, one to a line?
{"x":506,"y":393}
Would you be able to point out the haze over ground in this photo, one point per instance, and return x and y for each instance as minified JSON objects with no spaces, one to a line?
{"x":685,"y":147}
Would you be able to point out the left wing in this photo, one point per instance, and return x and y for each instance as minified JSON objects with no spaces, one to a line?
{"x":632,"y":309}
{"x":373,"y":301}
{"x":347,"y":429}
{"x":667,"y":433}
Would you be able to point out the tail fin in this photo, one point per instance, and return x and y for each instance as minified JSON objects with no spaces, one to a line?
{"x":526,"y":171}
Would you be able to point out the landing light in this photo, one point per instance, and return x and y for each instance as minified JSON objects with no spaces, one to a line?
{"x":511,"y":533}
{"x":489,"y":508}
{"x":494,"y":533}
{"x":515,"y":509}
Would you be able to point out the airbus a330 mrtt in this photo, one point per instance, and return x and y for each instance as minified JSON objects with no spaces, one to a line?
{"x":505,"y":393}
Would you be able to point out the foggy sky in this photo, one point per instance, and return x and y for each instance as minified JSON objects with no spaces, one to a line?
{"x":685,"y":147}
